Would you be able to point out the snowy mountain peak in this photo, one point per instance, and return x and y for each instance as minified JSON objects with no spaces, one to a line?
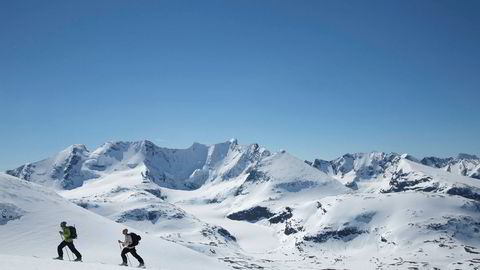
{"x":173,"y":168}
{"x":233,"y":141}
{"x":376,"y":170}
{"x":77,"y":148}
{"x":409,"y":157}
{"x":62,"y":170}
{"x":463,"y":164}
{"x":354,"y":167}
{"x":71,"y":155}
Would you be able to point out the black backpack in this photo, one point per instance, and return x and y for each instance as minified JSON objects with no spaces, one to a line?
{"x":73,"y":232}
{"x":135,"y":239}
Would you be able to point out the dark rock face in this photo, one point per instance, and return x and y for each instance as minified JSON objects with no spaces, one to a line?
{"x":217,"y":235}
{"x":86,"y":205}
{"x":157,"y":193}
{"x":435,"y":161}
{"x":365,"y":217}
{"x":69,"y":169}
{"x":253,"y":214}
{"x":322,"y":165}
{"x":296,"y":186}
{"x":472,"y":250}
{"x":9,"y":212}
{"x":476,"y":174}
{"x":118,"y":189}
{"x":282,"y":217}
{"x":406,"y":182}
{"x":69,"y":173}
{"x":151,"y":214}
{"x":223,"y":232}
{"x":472,"y":206}
{"x":23,"y":172}
{"x":256,"y":176}
{"x":465,"y":191}
{"x":458,"y":226}
{"x":345,"y":234}
{"x":320,"y":206}
{"x":353,"y":185}
{"x":344,"y":164}
{"x":291,"y":228}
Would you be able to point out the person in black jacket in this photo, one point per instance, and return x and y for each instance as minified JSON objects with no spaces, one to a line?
{"x":129,"y":247}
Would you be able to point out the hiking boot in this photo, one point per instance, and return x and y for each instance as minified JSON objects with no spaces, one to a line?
{"x":141,"y":265}
{"x":78,"y":259}
{"x":58,"y":258}
{"x":123,"y":264}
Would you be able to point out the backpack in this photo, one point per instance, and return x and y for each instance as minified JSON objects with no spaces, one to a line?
{"x":135,"y":239}
{"x":73,"y":232}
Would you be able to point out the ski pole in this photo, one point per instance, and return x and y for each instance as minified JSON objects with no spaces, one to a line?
{"x":129,"y":262}
{"x":66,"y":249}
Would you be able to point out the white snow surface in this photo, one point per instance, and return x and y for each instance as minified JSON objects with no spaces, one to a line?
{"x":35,"y":233}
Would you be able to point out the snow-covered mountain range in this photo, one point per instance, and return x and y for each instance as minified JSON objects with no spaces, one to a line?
{"x":352,"y":169}
{"x":463,"y":164}
{"x":250,"y":208}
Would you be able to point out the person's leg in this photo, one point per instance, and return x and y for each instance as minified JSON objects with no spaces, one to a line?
{"x":71,"y":246}
{"x":134,"y":253}
{"x":60,"y":249}
{"x":124,"y":256}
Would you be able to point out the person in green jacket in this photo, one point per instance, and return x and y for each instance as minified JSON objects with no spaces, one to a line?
{"x":67,"y":241}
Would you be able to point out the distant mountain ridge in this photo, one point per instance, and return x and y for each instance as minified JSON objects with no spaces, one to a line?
{"x":356,"y":167}
{"x":175,"y":168}
{"x":189,"y":168}
{"x":463,"y":164}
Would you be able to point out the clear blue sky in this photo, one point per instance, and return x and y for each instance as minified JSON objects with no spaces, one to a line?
{"x":317,"y":78}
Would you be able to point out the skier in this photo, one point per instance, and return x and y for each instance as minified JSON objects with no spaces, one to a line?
{"x":131,"y":240}
{"x":68,"y":236}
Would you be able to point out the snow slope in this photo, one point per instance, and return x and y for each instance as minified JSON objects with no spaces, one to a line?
{"x":34,"y":231}
{"x":272,"y":183}
{"x":127,"y":198}
{"x":388,"y":229}
{"x":9,"y":262}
